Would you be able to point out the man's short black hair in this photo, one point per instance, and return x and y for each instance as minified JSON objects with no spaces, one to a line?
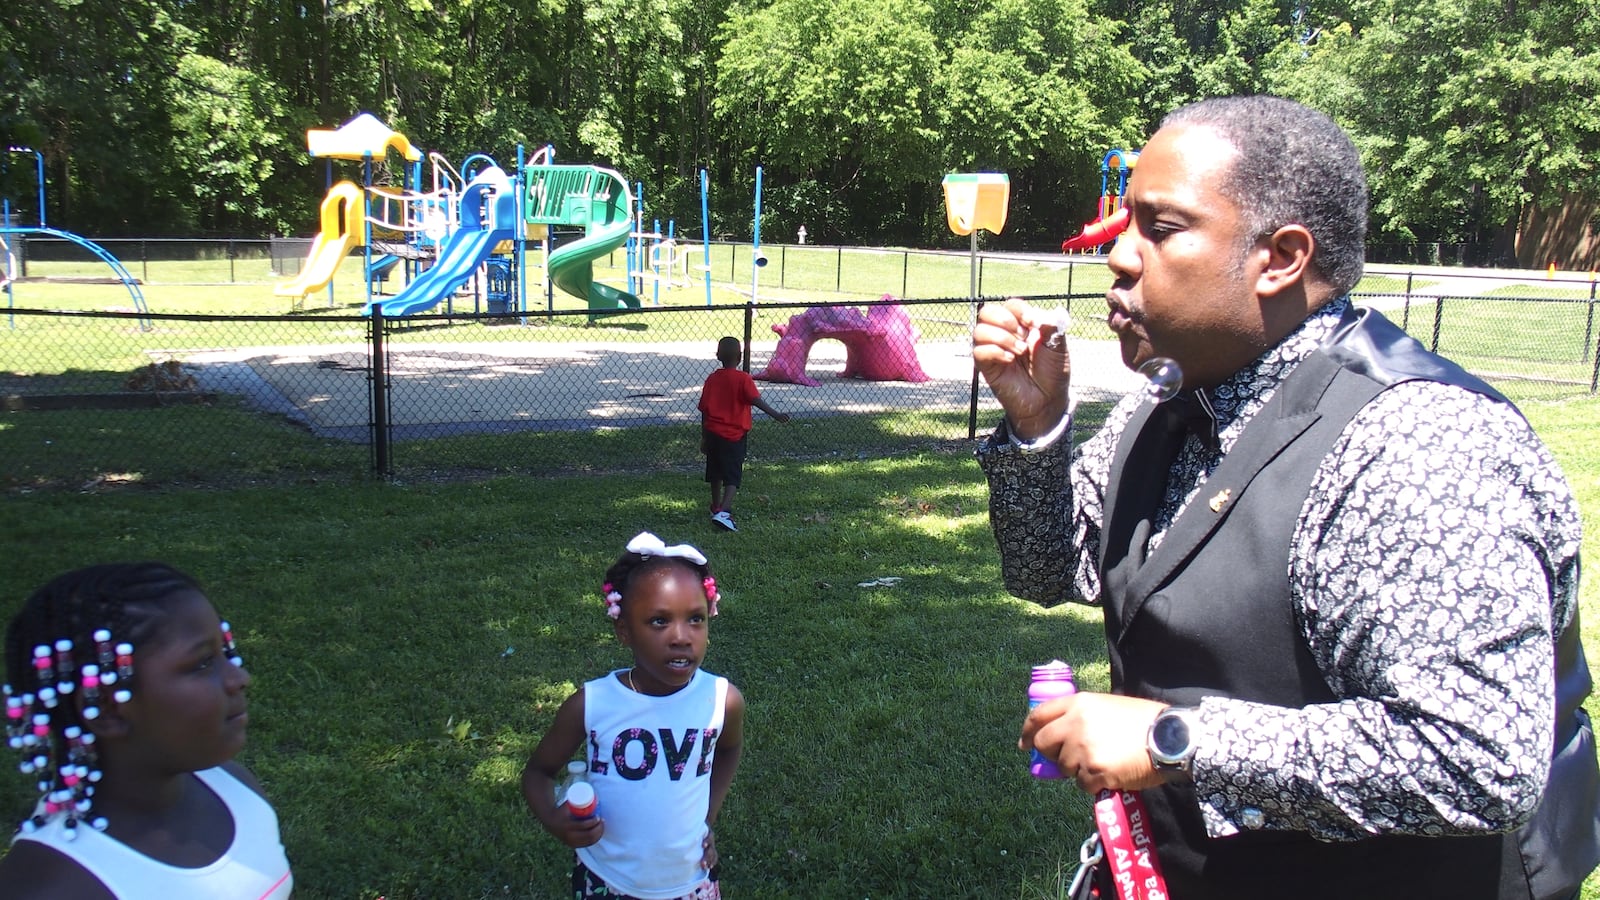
{"x":1295,"y":166}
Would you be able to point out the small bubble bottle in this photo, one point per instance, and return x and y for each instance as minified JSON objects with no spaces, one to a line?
{"x":581,"y":802}
{"x":577,"y":770}
{"x":1051,"y":680}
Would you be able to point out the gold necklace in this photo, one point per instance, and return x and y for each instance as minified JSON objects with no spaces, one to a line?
{"x":630,"y":679}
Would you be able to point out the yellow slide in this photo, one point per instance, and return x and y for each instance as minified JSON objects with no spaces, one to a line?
{"x":343,"y":230}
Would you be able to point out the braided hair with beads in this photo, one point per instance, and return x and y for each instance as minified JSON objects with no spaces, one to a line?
{"x":69,"y":652}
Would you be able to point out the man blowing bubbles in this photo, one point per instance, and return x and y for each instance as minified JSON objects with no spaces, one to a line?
{"x":1341,"y":571}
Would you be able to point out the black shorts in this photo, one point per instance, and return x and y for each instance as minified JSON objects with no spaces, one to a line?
{"x":725,"y":459}
{"x":588,"y":886}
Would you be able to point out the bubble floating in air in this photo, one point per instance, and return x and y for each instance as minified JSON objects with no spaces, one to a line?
{"x":1163,"y":378}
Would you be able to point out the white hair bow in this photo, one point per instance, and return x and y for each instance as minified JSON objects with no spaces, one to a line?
{"x":646,"y":544}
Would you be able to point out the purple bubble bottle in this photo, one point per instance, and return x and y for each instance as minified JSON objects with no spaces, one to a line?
{"x":1051,"y":680}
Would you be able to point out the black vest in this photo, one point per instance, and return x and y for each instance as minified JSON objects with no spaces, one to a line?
{"x":1209,"y":614}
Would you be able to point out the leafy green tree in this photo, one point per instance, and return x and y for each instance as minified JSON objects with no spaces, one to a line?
{"x":1465,"y":110}
{"x":1041,"y":90}
{"x":103,"y":128}
{"x":835,"y":99}
{"x":1247,"y":39}
{"x":229,"y":136}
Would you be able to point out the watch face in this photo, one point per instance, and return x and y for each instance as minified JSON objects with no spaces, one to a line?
{"x":1170,"y":736}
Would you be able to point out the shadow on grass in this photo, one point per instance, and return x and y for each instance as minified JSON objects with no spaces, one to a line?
{"x":219,"y":444}
{"x":881,"y":751}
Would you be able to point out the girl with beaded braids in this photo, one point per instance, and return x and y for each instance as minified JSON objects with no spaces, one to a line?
{"x":662,"y":738}
{"x":125,"y":697}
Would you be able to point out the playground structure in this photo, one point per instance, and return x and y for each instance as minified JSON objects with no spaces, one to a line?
{"x":596,"y":199}
{"x":1112,"y":218}
{"x":343,"y":229}
{"x":879,"y":345}
{"x":657,"y":258}
{"x":345,"y":220}
{"x":473,"y":226}
{"x":9,"y":233}
{"x":488,"y":217}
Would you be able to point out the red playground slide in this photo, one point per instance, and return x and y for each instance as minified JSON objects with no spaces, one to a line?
{"x":1100,"y":231}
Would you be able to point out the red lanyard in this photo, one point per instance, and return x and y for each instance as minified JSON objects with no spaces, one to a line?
{"x":1129,"y":847}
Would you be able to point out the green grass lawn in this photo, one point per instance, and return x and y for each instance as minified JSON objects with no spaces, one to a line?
{"x":411,"y":640}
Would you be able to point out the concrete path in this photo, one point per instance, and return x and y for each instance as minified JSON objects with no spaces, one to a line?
{"x":517,"y":385}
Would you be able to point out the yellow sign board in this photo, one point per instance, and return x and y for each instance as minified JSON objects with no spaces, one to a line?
{"x":975,"y":201}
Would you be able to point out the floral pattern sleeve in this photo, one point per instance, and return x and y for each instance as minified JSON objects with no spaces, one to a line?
{"x":1045,"y":506}
{"x":1434,"y":562}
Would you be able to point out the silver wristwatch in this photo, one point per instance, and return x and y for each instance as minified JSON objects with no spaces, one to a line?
{"x":1171,"y":740}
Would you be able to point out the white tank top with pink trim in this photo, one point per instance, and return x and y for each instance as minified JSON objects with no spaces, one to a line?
{"x":254,"y":867}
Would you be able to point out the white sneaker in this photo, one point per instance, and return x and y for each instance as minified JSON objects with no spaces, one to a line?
{"x":723,"y":518}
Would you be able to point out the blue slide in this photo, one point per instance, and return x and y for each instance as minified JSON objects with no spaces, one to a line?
{"x":381,"y":267}
{"x":488,"y":216}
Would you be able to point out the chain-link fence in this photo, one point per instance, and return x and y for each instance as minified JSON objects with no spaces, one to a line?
{"x":166,"y":396}
{"x":869,"y":271}
{"x":134,"y":396}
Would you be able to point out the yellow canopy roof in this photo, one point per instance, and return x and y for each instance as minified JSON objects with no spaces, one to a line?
{"x":359,"y":138}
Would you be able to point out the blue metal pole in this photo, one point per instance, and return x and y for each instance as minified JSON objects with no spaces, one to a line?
{"x":366,"y":230}
{"x":755,"y":241}
{"x":635,"y":241}
{"x":705,"y":230}
{"x":521,"y":183}
{"x":10,"y":300}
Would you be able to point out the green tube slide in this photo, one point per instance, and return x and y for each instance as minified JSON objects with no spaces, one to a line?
{"x":596,"y":199}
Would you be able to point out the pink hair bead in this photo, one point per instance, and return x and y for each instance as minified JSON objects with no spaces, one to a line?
{"x":228,"y":647}
{"x":91,"y":691}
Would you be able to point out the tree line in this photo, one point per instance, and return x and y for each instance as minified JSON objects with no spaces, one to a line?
{"x":188,"y":118}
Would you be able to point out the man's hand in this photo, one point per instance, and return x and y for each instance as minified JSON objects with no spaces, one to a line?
{"x":1098,"y":740}
{"x":1022,"y":353}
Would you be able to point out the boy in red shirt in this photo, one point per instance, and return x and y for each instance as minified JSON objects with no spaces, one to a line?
{"x":725,"y":401}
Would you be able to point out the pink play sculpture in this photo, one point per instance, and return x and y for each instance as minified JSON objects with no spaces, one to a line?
{"x":879,"y":346}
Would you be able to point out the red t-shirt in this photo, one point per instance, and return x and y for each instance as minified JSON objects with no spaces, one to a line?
{"x":725,"y":401}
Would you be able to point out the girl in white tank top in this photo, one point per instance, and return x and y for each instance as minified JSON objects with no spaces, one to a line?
{"x":661,"y":738}
{"x":117,"y":676}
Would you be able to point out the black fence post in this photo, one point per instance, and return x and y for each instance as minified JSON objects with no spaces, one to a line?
{"x":1588,"y":326}
{"x":905,"y":271}
{"x":783,"y":264}
{"x":378,"y":369}
{"x":1405,"y":314}
{"x":1438,"y":322}
{"x":838,"y":270}
{"x":972,"y":399}
{"x":749,"y":328}
{"x":233,"y":276}
{"x":144,"y":260}
{"x":1594,"y":374}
